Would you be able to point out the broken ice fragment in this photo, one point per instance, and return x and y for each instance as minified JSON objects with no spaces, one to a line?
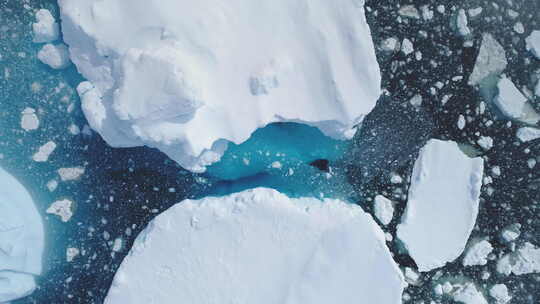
{"x":29,"y":119}
{"x":384,"y":209}
{"x":43,"y":153}
{"x":477,"y":253}
{"x":442,"y":206}
{"x":491,"y":60}
{"x":70,"y":174}
{"x":55,"y":56}
{"x":526,"y":134}
{"x":62,"y":208}
{"x":499,"y":293}
{"x":45,"y":29}
{"x":533,"y":43}
{"x":523,"y":261}
{"x":512,"y":103}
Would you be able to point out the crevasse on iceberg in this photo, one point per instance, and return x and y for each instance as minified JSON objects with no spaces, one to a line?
{"x":21,"y":240}
{"x":187,"y":76}
{"x":259,"y":246}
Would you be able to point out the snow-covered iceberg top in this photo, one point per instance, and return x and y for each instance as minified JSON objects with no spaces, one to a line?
{"x":183,"y":76}
{"x":259,"y":246}
{"x":442,"y":205}
{"x":21,"y":240}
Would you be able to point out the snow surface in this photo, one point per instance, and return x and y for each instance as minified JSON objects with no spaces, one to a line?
{"x":21,"y":240}
{"x":45,"y":29}
{"x":183,"y":76}
{"x":259,"y":246}
{"x":442,"y":206}
{"x":54,"y":55}
{"x":533,"y":43}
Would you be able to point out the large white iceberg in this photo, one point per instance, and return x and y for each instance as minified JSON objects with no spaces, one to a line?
{"x":21,"y":240}
{"x":442,"y":205}
{"x":259,"y":246}
{"x":183,"y":76}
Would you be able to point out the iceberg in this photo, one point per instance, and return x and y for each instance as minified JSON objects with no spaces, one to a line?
{"x":259,"y":246}
{"x":442,"y":205}
{"x":21,"y":240}
{"x":187,"y":77}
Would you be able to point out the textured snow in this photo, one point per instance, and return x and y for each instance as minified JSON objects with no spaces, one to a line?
{"x":442,"y":206}
{"x":259,"y":246}
{"x":45,"y":29}
{"x":384,"y":209}
{"x":525,"y":260}
{"x":533,"y":43}
{"x":21,"y":240}
{"x":183,"y":76}
{"x":54,"y":55}
{"x":526,"y":134}
{"x":477,"y":253}
{"x":491,"y":60}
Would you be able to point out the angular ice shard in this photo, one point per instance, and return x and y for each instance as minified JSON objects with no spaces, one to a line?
{"x":181,"y":75}
{"x":491,"y":60}
{"x":442,"y":206}
{"x":21,"y":240}
{"x":55,"y":56}
{"x":513,"y":104}
{"x":523,"y":261}
{"x":259,"y":246}
{"x":45,"y":29}
{"x":533,"y":43}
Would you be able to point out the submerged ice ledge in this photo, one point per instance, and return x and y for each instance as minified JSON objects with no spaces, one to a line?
{"x":185,"y":77}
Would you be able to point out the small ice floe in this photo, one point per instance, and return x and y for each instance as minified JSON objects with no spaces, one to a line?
{"x":499,"y":293}
{"x":46,"y":28}
{"x":384,"y":209}
{"x":512,"y":103}
{"x":525,"y":260}
{"x":526,"y":134}
{"x":468,"y":294}
{"x":43,"y":153}
{"x":389,"y":44}
{"x":485,"y":142}
{"x":491,"y":60}
{"x":409,"y":11}
{"x":70,"y":174}
{"x":511,"y":232}
{"x":461,"y":122}
{"x":462,"y":24}
{"x":477,"y":253}
{"x":71,"y":253}
{"x":533,"y":43}
{"x":442,"y":206}
{"x":407,"y":47}
{"x":29,"y":119}
{"x":52,"y":185}
{"x":54,"y":55}
{"x":118,"y":244}
{"x":474,"y":12}
{"x":62,"y":208}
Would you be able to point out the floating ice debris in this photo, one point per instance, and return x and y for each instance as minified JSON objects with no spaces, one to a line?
{"x":118,"y":244}
{"x":395,"y":178}
{"x":384,"y":209}
{"x":468,"y":294}
{"x":70,"y":174}
{"x":219,"y":70}
{"x":63,"y":208}
{"x":45,"y":29}
{"x":416,"y":100}
{"x":485,"y":142}
{"x":411,"y":276}
{"x":71,"y":254}
{"x":526,"y":134}
{"x":409,"y":11}
{"x":511,"y":232}
{"x":389,"y":44}
{"x":533,"y":43}
{"x":518,"y":28}
{"x":512,"y":103}
{"x":477,"y":253}
{"x":52,"y":185}
{"x":442,"y":206}
{"x":407,"y":47}
{"x":491,"y":60}
{"x":523,"y":261}
{"x":55,"y":56}
{"x":43,"y":153}
{"x":21,"y":241}
{"x":427,"y":13}
{"x":314,"y":252}
{"x":474,"y":12}
{"x":462,"y":23}
{"x":499,"y":293}
{"x":29,"y":119}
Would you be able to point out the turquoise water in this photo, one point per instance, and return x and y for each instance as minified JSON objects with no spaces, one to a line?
{"x":122,"y":189}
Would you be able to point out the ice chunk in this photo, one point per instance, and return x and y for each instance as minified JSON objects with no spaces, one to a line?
{"x":259,"y":246}
{"x":70,"y":174}
{"x":71,"y":254}
{"x":29,"y":119}
{"x":55,"y":56}
{"x":524,"y":261}
{"x":468,"y":294}
{"x":462,"y":23}
{"x":407,"y":46}
{"x":491,"y":60}
{"x":485,"y":142}
{"x":533,"y":43}
{"x":45,"y":29}
{"x":389,"y":44}
{"x":409,"y":11}
{"x":511,"y":232}
{"x":62,"y":208}
{"x":526,"y":134}
{"x":499,"y":292}
{"x":21,"y":240}
{"x":477,"y":253}
{"x":510,"y":100}
{"x":43,"y":153}
{"x":384,"y":209}
{"x":180,"y":75}
{"x":442,"y":206}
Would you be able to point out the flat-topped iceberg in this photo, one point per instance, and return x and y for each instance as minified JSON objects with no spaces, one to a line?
{"x":21,"y":240}
{"x":187,"y":76}
{"x":259,"y":246}
{"x":442,"y":205}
